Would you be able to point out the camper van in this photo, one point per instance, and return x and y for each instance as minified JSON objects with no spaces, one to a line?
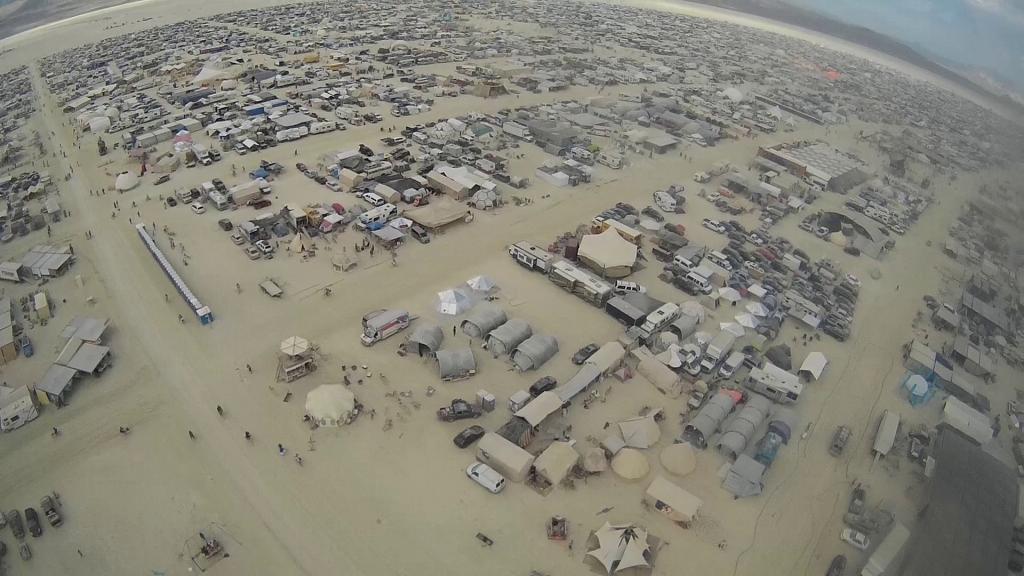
{"x":659,"y":319}
{"x":376,"y":170}
{"x":700,"y":281}
{"x":688,"y":257}
{"x":381,"y":324}
{"x":774,"y":383}
{"x":716,"y":257}
{"x":531,"y":256}
{"x":665,"y":202}
{"x":610,"y":159}
{"x":731,"y":365}
{"x":377,"y":217}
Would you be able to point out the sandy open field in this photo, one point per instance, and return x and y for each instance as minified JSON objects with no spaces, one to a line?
{"x":375,"y":501}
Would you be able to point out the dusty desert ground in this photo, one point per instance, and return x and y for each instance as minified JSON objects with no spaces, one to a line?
{"x":376,"y":501}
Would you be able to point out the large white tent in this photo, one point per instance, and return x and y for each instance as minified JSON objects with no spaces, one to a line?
{"x":608,"y":253}
{"x":453,"y":302}
{"x":330,"y":404}
{"x":126,"y":181}
{"x":620,"y":547}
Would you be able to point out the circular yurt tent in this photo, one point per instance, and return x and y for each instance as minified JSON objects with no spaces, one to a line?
{"x":630,"y":464}
{"x":504,"y":339}
{"x":679,"y":459}
{"x":99,"y":124}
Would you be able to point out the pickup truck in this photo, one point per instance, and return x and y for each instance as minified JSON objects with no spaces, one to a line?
{"x":458,"y":410}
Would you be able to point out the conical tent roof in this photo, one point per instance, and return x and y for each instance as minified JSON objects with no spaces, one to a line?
{"x":453,"y":302}
{"x":670,"y":357}
{"x":126,"y":181}
{"x":300,"y":243}
{"x":679,"y":459}
{"x":330,"y":404}
{"x":630,"y":464}
{"x":747,"y":320}
{"x":294,"y":345}
{"x":481,"y":283}
{"x":620,"y":547}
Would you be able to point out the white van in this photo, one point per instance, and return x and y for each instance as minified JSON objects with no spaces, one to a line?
{"x":374,"y":199}
{"x":198,"y":208}
{"x":720,"y":259}
{"x":732,"y":363}
{"x":486,"y":476}
{"x":701,"y":282}
{"x":624,"y":286}
{"x":665,"y":202}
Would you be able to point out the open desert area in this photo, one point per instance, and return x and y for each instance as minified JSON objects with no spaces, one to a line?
{"x":250,"y":254}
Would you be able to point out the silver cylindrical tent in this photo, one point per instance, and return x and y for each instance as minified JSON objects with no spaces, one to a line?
{"x":504,"y":339}
{"x":481,"y":320}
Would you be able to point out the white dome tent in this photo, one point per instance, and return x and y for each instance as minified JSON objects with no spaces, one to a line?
{"x":126,"y":181}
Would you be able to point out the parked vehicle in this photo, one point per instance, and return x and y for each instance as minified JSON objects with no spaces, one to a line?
{"x":198,"y":208}
{"x":582,"y":354}
{"x":17,"y":528}
{"x":237,"y":238}
{"x":24,"y":551}
{"x":542,"y":385}
{"x":854,"y":538}
{"x":32,"y":520}
{"x":381,"y":324}
{"x":253,"y":253}
{"x":486,"y":476}
{"x":469,"y":436}
{"x":837,"y":566}
{"x":459,"y":409}
{"x":52,"y":515}
{"x":625,"y":286}
{"x":419,"y":233}
{"x":162,"y":179}
{"x":839,"y":439}
{"x":713,"y":225}
{"x":225,"y":224}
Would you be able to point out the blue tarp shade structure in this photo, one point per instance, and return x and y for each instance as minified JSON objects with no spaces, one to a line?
{"x":919,"y":389}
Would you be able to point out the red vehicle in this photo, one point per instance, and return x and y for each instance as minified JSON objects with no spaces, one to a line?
{"x":338,"y":208}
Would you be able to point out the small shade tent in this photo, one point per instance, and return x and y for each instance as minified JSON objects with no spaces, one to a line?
{"x":294,"y":346}
{"x":555,"y":463}
{"x":126,"y":181}
{"x":693,"y":308}
{"x":455,"y":364}
{"x":679,"y":459}
{"x":595,"y":461}
{"x":608,"y":253}
{"x":757,"y":309}
{"x":534,"y":352}
{"x":427,"y":339}
{"x":630,"y":464}
{"x":744,"y":477}
{"x":481,"y":320}
{"x":672,"y":501}
{"x":453,"y":302}
{"x":619,"y":547}
{"x":504,"y":339}
{"x":300,"y":243}
{"x":330,"y":404}
{"x":640,"y":432}
{"x":481,"y":284}
{"x":813,"y":366}
{"x":730,"y":294}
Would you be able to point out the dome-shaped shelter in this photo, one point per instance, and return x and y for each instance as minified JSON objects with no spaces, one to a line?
{"x":482,"y":319}
{"x":126,"y":181}
{"x":99,"y":124}
{"x":630,"y":464}
{"x":534,"y":352}
{"x":426,"y":339}
{"x":330,"y":404}
{"x":679,"y":459}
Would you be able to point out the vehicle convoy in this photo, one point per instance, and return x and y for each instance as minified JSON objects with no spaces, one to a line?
{"x":381,"y":324}
{"x":458,"y":410}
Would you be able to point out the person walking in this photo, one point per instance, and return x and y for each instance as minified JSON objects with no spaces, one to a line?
{"x":191,"y":435}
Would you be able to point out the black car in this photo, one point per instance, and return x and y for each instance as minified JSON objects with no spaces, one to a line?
{"x":627,"y":208}
{"x":225,"y":224}
{"x":653,"y":214}
{"x":582,"y":354}
{"x":468,"y":436}
{"x":171,"y":201}
{"x":542,"y":385}
{"x":32,"y":521}
{"x":837,"y":567}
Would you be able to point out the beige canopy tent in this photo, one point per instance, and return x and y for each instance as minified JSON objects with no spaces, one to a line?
{"x":608,"y":357}
{"x":679,"y":459}
{"x":540,"y":408}
{"x":126,"y":181}
{"x":330,"y":404}
{"x":640,"y":432}
{"x":294,"y":346}
{"x":630,"y":464}
{"x":508,"y":459}
{"x":300,"y":243}
{"x":657,"y":373}
{"x":555,"y":463}
{"x":813,"y":365}
{"x":672,"y":501}
{"x":608,"y":253}
{"x":620,"y":547}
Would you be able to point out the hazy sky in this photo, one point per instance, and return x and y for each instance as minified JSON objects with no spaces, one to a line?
{"x":989,"y":33}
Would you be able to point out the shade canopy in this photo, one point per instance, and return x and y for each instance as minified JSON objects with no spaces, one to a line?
{"x":126,"y":181}
{"x":608,"y":252}
{"x":814,"y":365}
{"x":594,"y":460}
{"x":620,"y":547}
{"x":757,"y":309}
{"x":679,"y":459}
{"x":630,"y":464}
{"x":330,"y":404}
{"x":481,"y":283}
{"x":730,"y":294}
{"x":732,"y":328}
{"x":640,"y":432}
{"x":453,"y":302}
{"x":294,"y":346}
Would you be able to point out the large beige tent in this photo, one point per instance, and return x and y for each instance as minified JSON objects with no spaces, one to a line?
{"x":608,"y":253}
{"x":621,"y":547}
{"x":330,"y":404}
{"x":595,"y":461}
{"x":672,"y":501}
{"x":630,"y":464}
{"x":640,"y":432}
{"x":508,"y":459}
{"x":555,"y":463}
{"x":300,"y":243}
{"x":679,"y":459}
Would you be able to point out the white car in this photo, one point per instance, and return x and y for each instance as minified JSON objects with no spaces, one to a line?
{"x":198,"y":208}
{"x":264,"y":247}
{"x":624,"y":286}
{"x":374,"y":199}
{"x":713,"y":225}
{"x":486,"y":476}
{"x":853,"y":280}
{"x":854,"y":538}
